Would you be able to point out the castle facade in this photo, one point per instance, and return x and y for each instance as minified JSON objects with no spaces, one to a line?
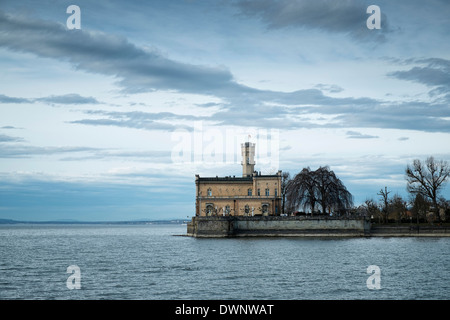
{"x":252,"y":194}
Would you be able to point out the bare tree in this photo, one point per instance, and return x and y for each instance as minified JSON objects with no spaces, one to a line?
{"x":332,"y":192}
{"x":301,"y":191}
{"x":385,"y":199}
{"x":419,"y":207}
{"x":321,"y":186}
{"x":371,"y":208}
{"x":427,"y":179}
{"x":398,"y":207}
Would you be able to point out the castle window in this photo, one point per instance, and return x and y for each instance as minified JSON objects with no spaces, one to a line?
{"x":265,"y":208}
{"x":209,"y":209}
{"x":276,"y":192}
{"x":267,"y":192}
{"x":209,"y":192}
{"x":249,"y":192}
{"x":247,"y":209}
{"x":259,"y":192}
{"x":227,"y":210}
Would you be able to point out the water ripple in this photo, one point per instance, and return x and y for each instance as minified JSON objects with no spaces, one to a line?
{"x":148,"y":262}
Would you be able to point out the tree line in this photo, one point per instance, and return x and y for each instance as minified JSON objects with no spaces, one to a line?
{"x":319,"y":192}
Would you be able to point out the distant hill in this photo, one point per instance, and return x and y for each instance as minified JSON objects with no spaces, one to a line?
{"x":7,"y":221}
{"x":69,"y":221}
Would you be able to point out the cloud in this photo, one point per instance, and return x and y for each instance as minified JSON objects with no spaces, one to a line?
{"x":329,"y":88}
{"x":76,"y":153}
{"x":209,"y":104}
{"x":6,"y":138}
{"x":333,"y":113}
{"x":138,"y":120}
{"x":147,"y":156}
{"x":27,"y":151}
{"x":359,"y":135}
{"x":346,"y":17}
{"x":138,"y":70}
{"x":68,"y":99}
{"x":415,"y":115}
{"x":416,"y":120}
{"x":147,"y":125}
{"x":142,"y":70}
{"x":6,"y":99}
{"x":432,"y":72}
{"x":72,"y":98}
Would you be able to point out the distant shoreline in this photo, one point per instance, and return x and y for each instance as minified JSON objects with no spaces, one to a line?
{"x":138,"y":222}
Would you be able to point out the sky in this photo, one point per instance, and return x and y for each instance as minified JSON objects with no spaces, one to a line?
{"x":111,"y":121}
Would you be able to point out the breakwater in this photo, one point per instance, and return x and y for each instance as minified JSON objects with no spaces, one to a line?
{"x":270,"y":226}
{"x":277,"y":226}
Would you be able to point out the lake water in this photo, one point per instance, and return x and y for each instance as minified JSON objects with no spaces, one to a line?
{"x":150,"y":262}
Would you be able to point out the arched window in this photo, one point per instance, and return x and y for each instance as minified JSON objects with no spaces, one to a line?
{"x":265,"y":208}
{"x":209,"y":209}
{"x":249,"y":192}
{"x":209,"y":192}
{"x":246,"y":209}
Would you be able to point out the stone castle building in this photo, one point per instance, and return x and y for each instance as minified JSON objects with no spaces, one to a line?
{"x":252,"y":194}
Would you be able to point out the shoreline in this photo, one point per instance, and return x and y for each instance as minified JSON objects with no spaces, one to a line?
{"x":410,"y":231}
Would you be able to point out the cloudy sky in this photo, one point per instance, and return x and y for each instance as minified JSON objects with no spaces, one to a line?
{"x":112,"y":121}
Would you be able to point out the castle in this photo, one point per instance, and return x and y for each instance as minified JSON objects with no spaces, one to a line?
{"x":252,"y":194}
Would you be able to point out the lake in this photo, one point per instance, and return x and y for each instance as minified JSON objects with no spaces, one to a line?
{"x":152,"y":262}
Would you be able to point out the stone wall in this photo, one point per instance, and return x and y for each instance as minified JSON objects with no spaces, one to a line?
{"x":276,"y":226}
{"x":210,"y":227}
{"x":410,"y":231}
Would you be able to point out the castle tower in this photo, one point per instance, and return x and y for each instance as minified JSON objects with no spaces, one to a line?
{"x":248,"y":158}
